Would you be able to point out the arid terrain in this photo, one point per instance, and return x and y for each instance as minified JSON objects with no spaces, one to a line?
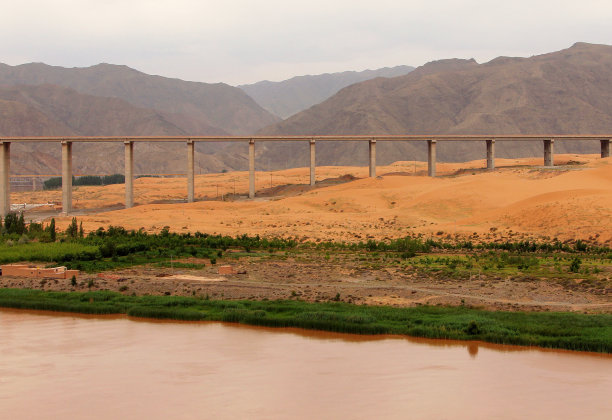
{"x":520,"y":200}
{"x":314,"y":278}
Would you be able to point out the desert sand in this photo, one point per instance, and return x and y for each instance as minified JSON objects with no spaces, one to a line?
{"x":520,"y":199}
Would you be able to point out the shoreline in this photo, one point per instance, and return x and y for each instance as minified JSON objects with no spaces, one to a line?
{"x":320,"y":334}
{"x":550,"y":330}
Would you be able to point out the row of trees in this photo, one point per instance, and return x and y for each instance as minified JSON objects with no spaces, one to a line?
{"x":56,"y":182}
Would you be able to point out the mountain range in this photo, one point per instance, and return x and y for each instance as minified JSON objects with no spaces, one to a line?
{"x":564,"y":92}
{"x":568,"y":91}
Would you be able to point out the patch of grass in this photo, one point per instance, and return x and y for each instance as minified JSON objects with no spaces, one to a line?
{"x":45,"y":252}
{"x":552,"y":329}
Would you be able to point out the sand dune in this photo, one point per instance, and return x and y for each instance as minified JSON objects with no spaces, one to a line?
{"x":521,"y":199}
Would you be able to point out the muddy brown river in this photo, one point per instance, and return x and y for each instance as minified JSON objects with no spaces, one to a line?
{"x":58,"y":366}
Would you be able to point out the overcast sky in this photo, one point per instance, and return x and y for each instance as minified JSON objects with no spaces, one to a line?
{"x":240,"y":41}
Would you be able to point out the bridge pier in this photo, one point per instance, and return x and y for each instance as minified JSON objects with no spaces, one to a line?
{"x":605,"y":148}
{"x":549,"y":158}
{"x":129,"y":174}
{"x":431,"y":158}
{"x":190,"y":171}
{"x":372,"y":158}
{"x":251,"y":168}
{"x":66,"y":177}
{"x":5,"y":185}
{"x":312,"y":162}
{"x":491,"y":154}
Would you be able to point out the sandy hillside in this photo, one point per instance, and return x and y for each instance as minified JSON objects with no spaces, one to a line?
{"x":521,"y":199}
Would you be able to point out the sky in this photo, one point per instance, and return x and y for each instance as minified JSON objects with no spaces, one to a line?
{"x":241,"y":41}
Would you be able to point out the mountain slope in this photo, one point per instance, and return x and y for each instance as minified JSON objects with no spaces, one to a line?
{"x":291,"y":96}
{"x":569,"y":91}
{"x":49,"y":110}
{"x":217,"y":105}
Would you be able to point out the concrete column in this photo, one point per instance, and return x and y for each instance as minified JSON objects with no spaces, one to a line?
{"x":605,"y":148}
{"x":5,"y":185}
{"x":491,"y":154}
{"x":372,"y":158}
{"x":190,"y":171}
{"x":312,"y":162}
{"x":66,"y":177}
{"x":549,"y":159}
{"x":431,"y":157}
{"x":129,"y":174}
{"x":251,"y":168}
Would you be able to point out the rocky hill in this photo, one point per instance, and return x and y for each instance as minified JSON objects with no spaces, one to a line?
{"x":568,"y":91}
{"x":291,"y":96}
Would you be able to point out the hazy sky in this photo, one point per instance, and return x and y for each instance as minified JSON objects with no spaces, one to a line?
{"x":240,"y":41}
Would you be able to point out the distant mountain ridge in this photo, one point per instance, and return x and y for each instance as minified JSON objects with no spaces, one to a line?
{"x":221,"y":106}
{"x":291,"y":96}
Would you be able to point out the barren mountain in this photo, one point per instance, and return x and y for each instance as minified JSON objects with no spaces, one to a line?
{"x":291,"y":96}
{"x":569,"y":91}
{"x":216,"y":105}
{"x":50,"y":110}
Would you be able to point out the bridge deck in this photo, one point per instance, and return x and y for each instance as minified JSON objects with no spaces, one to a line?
{"x":415,"y":137}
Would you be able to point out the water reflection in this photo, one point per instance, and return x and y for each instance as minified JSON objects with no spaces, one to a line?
{"x":472,"y":349}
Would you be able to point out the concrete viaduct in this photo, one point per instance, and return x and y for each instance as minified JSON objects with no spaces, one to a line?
{"x":66,"y":144}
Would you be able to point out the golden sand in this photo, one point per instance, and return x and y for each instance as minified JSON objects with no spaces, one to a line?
{"x":519,"y":199}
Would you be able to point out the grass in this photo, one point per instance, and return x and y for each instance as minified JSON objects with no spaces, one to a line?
{"x":40,"y":251}
{"x":569,"y":331}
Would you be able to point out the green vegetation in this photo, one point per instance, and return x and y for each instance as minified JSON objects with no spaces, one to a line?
{"x":106,"y":249}
{"x":554,"y":330}
{"x":574,"y":264}
{"x":114,"y":247}
{"x":56,"y":182}
{"x":45,"y":252}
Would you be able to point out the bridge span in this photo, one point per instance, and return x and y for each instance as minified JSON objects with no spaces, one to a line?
{"x":431,"y":140}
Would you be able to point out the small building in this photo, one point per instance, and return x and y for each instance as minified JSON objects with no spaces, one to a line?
{"x":22,"y":270}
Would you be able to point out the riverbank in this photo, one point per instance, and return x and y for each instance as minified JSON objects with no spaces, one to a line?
{"x":559,"y":330}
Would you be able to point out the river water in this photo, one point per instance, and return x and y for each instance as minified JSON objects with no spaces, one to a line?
{"x":79,"y":367}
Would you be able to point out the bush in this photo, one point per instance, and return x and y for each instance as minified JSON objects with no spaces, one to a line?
{"x":472,"y":328}
{"x":575,"y":265}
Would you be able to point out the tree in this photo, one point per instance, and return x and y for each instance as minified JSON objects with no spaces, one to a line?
{"x":73,"y":229}
{"x":21,"y":227}
{"x":81,"y":231}
{"x":51,"y":230}
{"x":10,"y":223}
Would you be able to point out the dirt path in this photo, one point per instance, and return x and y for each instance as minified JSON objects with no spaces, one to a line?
{"x":319,"y":280}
